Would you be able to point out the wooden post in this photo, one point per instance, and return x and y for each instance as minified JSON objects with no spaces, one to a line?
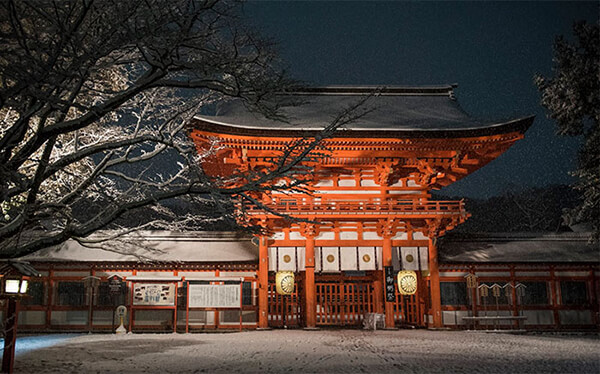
{"x":263,"y":283}
{"x":434,"y":287}
{"x":387,"y":261}
{"x":10,"y":335}
{"x":310,"y":291}
{"x":378,"y":292}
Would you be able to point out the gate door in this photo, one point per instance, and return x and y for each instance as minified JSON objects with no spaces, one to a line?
{"x":409,"y":309}
{"x":343,"y":303}
{"x":284,"y":310}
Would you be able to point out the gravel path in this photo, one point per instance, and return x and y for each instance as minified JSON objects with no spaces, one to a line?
{"x":322,"y":351}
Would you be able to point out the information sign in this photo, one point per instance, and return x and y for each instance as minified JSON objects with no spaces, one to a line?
{"x":214,"y":295}
{"x":159,"y":294}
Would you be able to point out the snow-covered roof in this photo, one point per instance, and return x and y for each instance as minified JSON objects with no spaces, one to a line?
{"x":424,"y":111}
{"x":159,"y":246}
{"x":520,"y":247}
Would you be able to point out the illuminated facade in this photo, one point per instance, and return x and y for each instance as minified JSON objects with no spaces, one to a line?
{"x":369,"y":195}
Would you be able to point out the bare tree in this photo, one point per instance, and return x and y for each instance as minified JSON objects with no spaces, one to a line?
{"x":94,"y":98}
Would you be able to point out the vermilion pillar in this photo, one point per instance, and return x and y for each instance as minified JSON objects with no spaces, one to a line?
{"x":378,"y":293}
{"x":310,"y":292}
{"x":387,"y":261}
{"x":434,"y":287}
{"x":263,"y":283}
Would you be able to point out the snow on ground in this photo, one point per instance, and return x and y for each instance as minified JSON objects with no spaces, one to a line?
{"x":321,"y":351}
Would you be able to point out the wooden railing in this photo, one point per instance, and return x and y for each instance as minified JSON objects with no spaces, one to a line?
{"x":363,"y":207}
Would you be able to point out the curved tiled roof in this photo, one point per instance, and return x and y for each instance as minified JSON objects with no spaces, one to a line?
{"x":422,"y":111}
{"x":518,"y":247}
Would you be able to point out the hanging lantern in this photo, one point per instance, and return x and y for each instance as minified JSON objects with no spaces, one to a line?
{"x":284,"y":281}
{"x":407,"y":282}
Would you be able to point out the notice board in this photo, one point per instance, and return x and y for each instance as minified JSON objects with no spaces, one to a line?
{"x":214,"y":296}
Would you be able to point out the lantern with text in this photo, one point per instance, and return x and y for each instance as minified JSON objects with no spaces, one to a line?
{"x":407,"y":282}
{"x":284,"y":281}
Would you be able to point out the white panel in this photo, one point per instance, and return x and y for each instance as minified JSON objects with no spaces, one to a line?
{"x":575,"y":317}
{"x":492,"y":273}
{"x":379,"y":254}
{"x":459,"y":316}
{"x":348,"y":258}
{"x":417,"y":235}
{"x":331,"y":261}
{"x":424,"y":258}
{"x":196,"y":273}
{"x":325,"y":235}
{"x":301,"y":259}
{"x":397,"y":184}
{"x":405,"y":192}
{"x":346,"y":183}
{"x":449,"y":317}
{"x":368,"y":183}
{"x":366,"y":258}
{"x":532,"y":273}
{"x":453,"y":273}
{"x":287,"y":254}
{"x":538,"y":317}
{"x":100,"y":273}
{"x":272,"y":259}
{"x":324,"y":183}
{"x":400,"y":236}
{"x":317,"y":259}
{"x":571,"y":273}
{"x":348,"y":235}
{"x":278,"y":236}
{"x":411,"y":183}
{"x":295,"y":235}
{"x":409,"y":258}
{"x":32,"y":317}
{"x":370,"y":235}
{"x":69,"y":317}
{"x":155,"y":273}
{"x":224,"y":274}
{"x":355,"y":192}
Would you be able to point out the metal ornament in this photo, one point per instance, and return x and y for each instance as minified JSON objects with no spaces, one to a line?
{"x":407,"y":282}
{"x":284,"y":281}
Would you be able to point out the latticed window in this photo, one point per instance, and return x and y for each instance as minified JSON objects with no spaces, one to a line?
{"x":36,"y":294}
{"x":70,"y":293}
{"x":534,"y":293}
{"x":104,"y":297}
{"x":453,"y":293}
{"x":573,"y":292}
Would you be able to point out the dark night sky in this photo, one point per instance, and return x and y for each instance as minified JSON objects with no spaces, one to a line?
{"x":491,"y":49}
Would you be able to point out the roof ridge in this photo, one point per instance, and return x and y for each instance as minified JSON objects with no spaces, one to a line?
{"x":447,"y":89}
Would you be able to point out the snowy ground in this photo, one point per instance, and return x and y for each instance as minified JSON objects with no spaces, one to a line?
{"x":322,"y":351}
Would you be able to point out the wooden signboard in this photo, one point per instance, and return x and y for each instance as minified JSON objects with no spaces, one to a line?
{"x":214,"y":296}
{"x":155,"y":294}
{"x":390,"y":280}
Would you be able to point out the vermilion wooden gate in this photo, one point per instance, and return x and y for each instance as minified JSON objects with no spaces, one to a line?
{"x":284,"y":311}
{"x":343,"y":302}
{"x":409,"y":309}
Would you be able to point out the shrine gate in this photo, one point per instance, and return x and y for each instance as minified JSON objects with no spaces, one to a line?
{"x":366,"y":200}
